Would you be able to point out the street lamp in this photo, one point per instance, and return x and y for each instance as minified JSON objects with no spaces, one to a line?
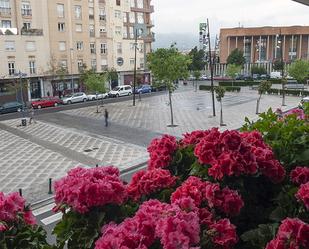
{"x":20,"y":74}
{"x":71,"y":57}
{"x":280,"y":45}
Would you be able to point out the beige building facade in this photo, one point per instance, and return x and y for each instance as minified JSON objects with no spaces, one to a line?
{"x":38,"y":38}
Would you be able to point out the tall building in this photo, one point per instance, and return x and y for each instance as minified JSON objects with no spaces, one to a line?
{"x":52,"y":42}
{"x":265,"y":44}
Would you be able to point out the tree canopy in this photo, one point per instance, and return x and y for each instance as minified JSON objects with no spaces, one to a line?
{"x":299,"y":70}
{"x":198,"y":59}
{"x":168,"y":65}
{"x":94,"y":82}
{"x":232,"y":70}
{"x":236,"y":57}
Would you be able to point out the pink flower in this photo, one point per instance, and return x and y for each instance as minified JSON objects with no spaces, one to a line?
{"x":273,"y":170}
{"x":194,"y":137}
{"x":303,"y":194}
{"x":300,"y":175}
{"x":11,"y":205}
{"x":224,"y":233}
{"x":29,"y":218}
{"x":276,"y":244}
{"x":299,"y":113}
{"x":232,"y":202}
{"x":160,"y":151}
{"x":83,"y":189}
{"x":190,"y":188}
{"x":3,"y":228}
{"x":206,"y":217}
{"x":148,"y":182}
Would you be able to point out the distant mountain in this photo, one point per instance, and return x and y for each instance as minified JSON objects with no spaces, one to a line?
{"x":185,"y":41}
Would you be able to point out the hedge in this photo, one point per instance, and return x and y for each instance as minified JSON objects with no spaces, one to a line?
{"x":289,"y":92}
{"x":238,"y":83}
{"x":227,"y":88}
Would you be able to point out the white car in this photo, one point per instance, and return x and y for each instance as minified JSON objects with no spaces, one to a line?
{"x":74,"y":98}
{"x":94,"y":96}
{"x":304,"y":100}
{"x":125,"y":90}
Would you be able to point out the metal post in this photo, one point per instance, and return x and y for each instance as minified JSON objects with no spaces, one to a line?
{"x":20,"y":192}
{"x":282,"y":72}
{"x":50,"y":191}
{"x":72,"y":82}
{"x":134,"y":76}
{"x":211,"y":72}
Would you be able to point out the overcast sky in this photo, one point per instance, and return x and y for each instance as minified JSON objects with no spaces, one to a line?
{"x":183,"y":16}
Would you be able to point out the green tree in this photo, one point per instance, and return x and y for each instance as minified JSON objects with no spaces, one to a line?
{"x":112,"y":76}
{"x":236,"y":57}
{"x":233,"y":70}
{"x":299,"y":70}
{"x":278,"y":65}
{"x":198,"y":59}
{"x":95,"y":82}
{"x":220,"y":91}
{"x":168,"y":65}
{"x":262,"y":89}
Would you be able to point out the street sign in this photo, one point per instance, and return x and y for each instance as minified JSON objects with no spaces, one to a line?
{"x":120,"y":61}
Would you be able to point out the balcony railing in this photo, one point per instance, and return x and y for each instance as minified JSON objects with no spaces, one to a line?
{"x":26,"y":12}
{"x":30,"y":32}
{"x":5,"y":11}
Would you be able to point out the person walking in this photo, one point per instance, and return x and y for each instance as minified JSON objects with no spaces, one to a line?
{"x":31,"y":115}
{"x":106,"y":117}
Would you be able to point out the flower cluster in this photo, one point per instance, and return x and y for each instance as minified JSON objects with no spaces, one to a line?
{"x":12,"y":209}
{"x":160,"y":151}
{"x":154,"y":220}
{"x":194,"y":137}
{"x":292,"y":233}
{"x":303,"y":194}
{"x":83,"y":189}
{"x":150,"y":181}
{"x":299,"y":113}
{"x":233,"y":154}
{"x":224,"y":233}
{"x":226,"y":200}
{"x":300,"y":175}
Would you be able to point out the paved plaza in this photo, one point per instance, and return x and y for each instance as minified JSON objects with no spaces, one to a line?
{"x":59,"y":141}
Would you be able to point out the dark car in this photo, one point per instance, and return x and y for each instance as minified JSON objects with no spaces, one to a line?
{"x":156,"y":88}
{"x":13,"y":106}
{"x":143,"y":89}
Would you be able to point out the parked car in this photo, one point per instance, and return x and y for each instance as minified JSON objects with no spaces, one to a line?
{"x":157,"y":88}
{"x":304,"y":100}
{"x":204,"y":77}
{"x":13,"y":106}
{"x":74,"y":98}
{"x":125,"y":90}
{"x":143,"y":89}
{"x":191,"y":77}
{"x":255,"y":76}
{"x":46,"y":102}
{"x":93,"y":96}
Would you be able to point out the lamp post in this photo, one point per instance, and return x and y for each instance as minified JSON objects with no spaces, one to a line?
{"x":71,"y":57}
{"x":280,"y":45}
{"x":20,"y":75}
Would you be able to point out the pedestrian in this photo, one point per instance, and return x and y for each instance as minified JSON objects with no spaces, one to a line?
{"x":31,"y":114}
{"x":106,"y":117}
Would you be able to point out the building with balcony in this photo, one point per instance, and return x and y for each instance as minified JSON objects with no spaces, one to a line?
{"x":42,"y":38}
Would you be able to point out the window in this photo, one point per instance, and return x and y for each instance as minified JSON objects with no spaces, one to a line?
{"x":63,"y":64}
{"x":30,"y":46}
{"x":92,"y":48}
{"x":91,"y":30}
{"x":79,"y":45}
{"x":118,"y":14}
{"x":9,"y":45}
{"x":5,"y":4}
{"x":140,"y":4}
{"x":60,"y":10}
{"x":132,"y":61}
{"x":78,"y":11}
{"x":91,"y":11}
{"x":5,"y":24}
{"x":11,"y":65}
{"x":27,"y":25}
{"x":62,"y":46}
{"x":80,"y":64}
{"x":125,"y":18}
{"x":102,"y":15}
{"x":26,"y":9}
{"x":140,"y":17}
{"x":78,"y":27}
{"x":61,"y":26}
{"x":132,"y":46}
{"x":125,"y":32}
{"x":32,"y":67}
{"x":132,"y":3}
{"x":131,"y":32}
{"x":132,"y":17}
{"x":118,"y":2}
{"x":103,"y":48}
{"x":117,"y":30}
{"x":94,"y":64}
{"x":102,"y":29}
{"x":103,"y":64}
{"x":141,"y":62}
{"x":119,"y":47}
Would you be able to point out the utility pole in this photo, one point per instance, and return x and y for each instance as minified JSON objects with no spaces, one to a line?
{"x":282,"y":72}
{"x":134,"y":77}
{"x":211,"y":72}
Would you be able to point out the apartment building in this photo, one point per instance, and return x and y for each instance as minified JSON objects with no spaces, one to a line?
{"x":265,"y":44}
{"x":41,"y":38}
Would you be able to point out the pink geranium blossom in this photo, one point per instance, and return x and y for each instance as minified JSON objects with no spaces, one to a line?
{"x":300,"y":175}
{"x":303,"y":194}
{"x":224,"y":233}
{"x":83,"y":189}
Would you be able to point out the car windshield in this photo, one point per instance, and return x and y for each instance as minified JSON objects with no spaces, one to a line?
{"x":68,"y":96}
{"x":116,"y":88}
{"x":10,"y":104}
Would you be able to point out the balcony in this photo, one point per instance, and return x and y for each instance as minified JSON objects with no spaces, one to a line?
{"x":102,"y":1}
{"x":150,"y":37}
{"x":26,"y":12}
{"x":5,"y":12}
{"x":31,"y":32}
{"x":145,"y":9}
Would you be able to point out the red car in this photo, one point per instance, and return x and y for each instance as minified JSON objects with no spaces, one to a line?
{"x":46,"y":102}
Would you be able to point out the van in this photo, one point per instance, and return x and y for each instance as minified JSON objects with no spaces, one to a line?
{"x":125,"y":90}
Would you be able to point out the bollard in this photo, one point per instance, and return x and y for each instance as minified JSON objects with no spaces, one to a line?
{"x":20,"y":192}
{"x":50,"y":192}
{"x":96,"y":165}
